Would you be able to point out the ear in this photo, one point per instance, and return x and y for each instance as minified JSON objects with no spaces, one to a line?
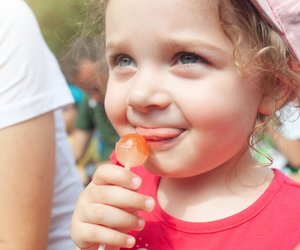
{"x":275,"y":98}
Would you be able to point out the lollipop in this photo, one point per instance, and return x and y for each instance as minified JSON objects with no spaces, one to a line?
{"x":132,"y":150}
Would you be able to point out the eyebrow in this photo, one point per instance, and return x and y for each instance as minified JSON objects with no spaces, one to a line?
{"x":113,"y":45}
{"x":173,"y":42}
{"x":193,"y":43}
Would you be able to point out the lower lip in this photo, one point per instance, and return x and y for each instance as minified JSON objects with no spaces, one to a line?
{"x":165,"y":144}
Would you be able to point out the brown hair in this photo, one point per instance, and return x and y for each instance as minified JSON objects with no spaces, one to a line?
{"x":268,"y":53}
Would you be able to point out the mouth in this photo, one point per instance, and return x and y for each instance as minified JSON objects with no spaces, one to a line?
{"x":160,"y":138}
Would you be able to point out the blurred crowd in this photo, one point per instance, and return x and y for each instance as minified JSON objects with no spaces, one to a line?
{"x":91,"y":134}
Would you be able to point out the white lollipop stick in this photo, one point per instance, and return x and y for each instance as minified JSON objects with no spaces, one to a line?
{"x":101,"y":247}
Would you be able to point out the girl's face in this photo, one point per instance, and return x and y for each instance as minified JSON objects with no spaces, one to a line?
{"x":172,"y":78}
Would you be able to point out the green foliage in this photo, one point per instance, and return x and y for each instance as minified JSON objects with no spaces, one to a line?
{"x":60,"y":21}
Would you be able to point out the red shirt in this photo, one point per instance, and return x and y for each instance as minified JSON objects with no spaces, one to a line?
{"x":271,"y":223}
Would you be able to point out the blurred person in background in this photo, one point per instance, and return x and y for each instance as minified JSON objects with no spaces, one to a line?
{"x":284,"y":141}
{"x":70,"y":111}
{"x":39,"y":184}
{"x":281,"y":144}
{"x":93,"y":138}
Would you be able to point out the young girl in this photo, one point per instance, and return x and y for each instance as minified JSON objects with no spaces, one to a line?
{"x":199,"y":80}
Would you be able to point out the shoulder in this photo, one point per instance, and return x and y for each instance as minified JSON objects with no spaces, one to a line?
{"x":19,"y":32}
{"x":16,"y":12}
{"x":31,"y":80}
{"x":289,"y":189}
{"x":282,"y":178}
{"x":13,"y":6}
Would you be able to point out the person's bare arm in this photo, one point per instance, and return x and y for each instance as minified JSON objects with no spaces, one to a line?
{"x":289,"y":148}
{"x":80,"y":141}
{"x":27,"y":161}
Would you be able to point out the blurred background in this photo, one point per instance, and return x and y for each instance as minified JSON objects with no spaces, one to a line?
{"x":60,"y":21}
{"x":65,"y":30}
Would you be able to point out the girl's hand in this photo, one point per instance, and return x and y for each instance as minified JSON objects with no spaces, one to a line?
{"x":107,"y":208}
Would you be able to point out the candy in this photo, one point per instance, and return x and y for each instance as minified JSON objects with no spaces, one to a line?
{"x":132,"y":150}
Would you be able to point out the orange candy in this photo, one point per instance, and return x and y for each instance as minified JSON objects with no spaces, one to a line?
{"x":132,"y":150}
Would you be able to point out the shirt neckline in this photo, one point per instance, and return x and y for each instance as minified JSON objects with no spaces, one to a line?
{"x":222,"y":224}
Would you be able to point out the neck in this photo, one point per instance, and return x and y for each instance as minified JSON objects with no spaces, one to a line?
{"x":201,"y":197}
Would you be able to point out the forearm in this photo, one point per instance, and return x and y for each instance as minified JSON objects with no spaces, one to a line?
{"x":26,"y":183}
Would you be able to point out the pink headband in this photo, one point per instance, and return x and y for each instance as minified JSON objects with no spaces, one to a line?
{"x":284,"y":17}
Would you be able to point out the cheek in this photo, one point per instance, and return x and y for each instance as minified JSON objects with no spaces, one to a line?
{"x":115,"y":107}
{"x":229,"y":108}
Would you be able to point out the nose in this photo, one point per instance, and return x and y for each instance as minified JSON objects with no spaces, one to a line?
{"x":148,"y":93}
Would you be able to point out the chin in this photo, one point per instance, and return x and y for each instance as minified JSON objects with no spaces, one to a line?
{"x":161,"y":170}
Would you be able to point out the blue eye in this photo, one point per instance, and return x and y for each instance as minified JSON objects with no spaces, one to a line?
{"x":188,"y":58}
{"x":124,"y":61}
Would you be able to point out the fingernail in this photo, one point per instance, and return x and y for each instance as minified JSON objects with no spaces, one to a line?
{"x":149,"y":204}
{"x":136,"y":181}
{"x":130,"y":241}
{"x":141,"y":224}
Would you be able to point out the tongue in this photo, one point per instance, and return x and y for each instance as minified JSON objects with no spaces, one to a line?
{"x":158,"y":133}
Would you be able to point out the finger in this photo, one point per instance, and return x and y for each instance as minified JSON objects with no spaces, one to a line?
{"x":120,"y":197}
{"x":116,"y":175}
{"x":111,"y":217}
{"x":92,"y":235}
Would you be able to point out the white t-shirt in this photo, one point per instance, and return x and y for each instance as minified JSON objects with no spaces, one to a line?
{"x":31,"y":84}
